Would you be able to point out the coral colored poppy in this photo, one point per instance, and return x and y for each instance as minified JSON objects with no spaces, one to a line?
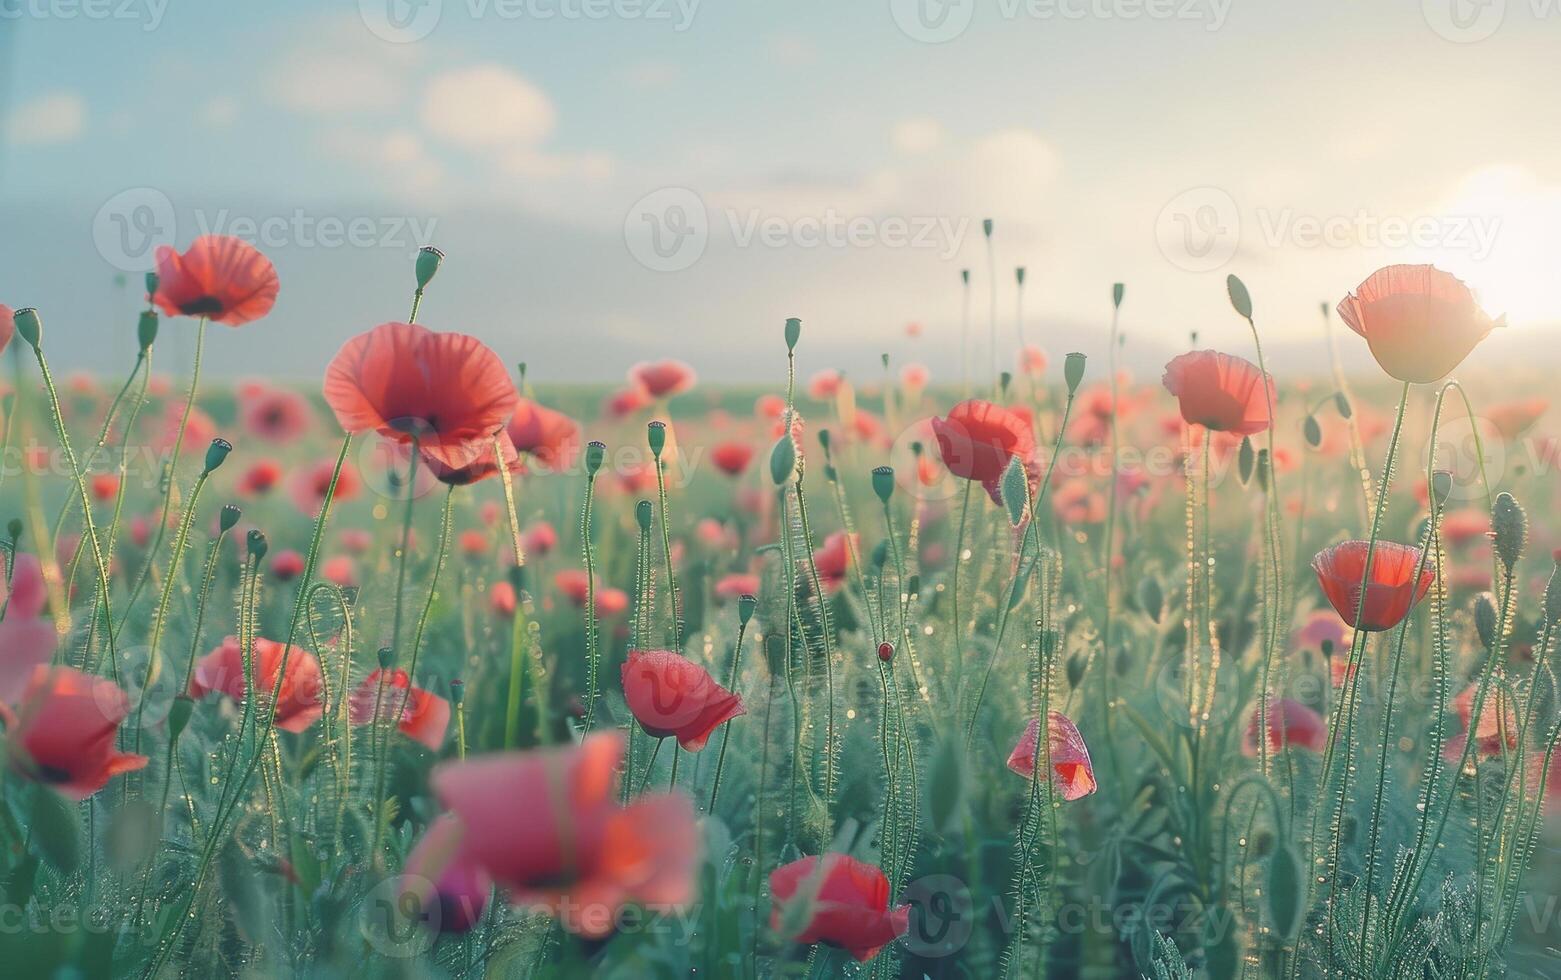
{"x":824,"y":385}
{"x":199,"y":430}
{"x":1289,"y":723}
{"x":1032,"y":360}
{"x":1323,"y":632}
{"x":1220,"y":391}
{"x":340,"y":571}
{"x":424,"y":715}
{"x":551,"y":438}
{"x":299,"y":700}
{"x":1419,"y":321}
{"x":625,"y":402}
{"x":27,"y":636}
{"x":1463,"y":526}
{"x":310,"y":485}
{"x":1075,"y":502}
{"x":844,"y":904}
{"x":662,"y":379}
{"x":260,"y":478}
{"x":105,"y":486}
{"x":1391,"y":591}
{"x":473,"y":543}
{"x":501,"y":599}
{"x":1498,"y":721}
{"x":1512,"y":419}
{"x":287,"y":565}
{"x":276,"y":415}
{"x":7,"y":326}
{"x":404,"y":381}
{"x":64,"y":730}
{"x":546,"y":825}
{"x":483,"y":463}
{"x":914,"y":378}
{"x":732,"y":458}
{"x":736,"y":585}
{"x":977,"y":440}
{"x":436,"y":872}
{"x":833,"y":560}
{"x":219,"y":277}
{"x":574,"y":584}
{"x":670,"y":695}
{"x":769,"y":407}
{"x":1072,"y":773}
{"x":539,"y":539}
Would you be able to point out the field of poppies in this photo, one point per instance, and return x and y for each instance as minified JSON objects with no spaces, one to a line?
{"x":419,"y":670}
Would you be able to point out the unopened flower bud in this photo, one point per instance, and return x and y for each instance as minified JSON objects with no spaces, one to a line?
{"x":1509,"y":527}
{"x":793,"y":332}
{"x":1441,"y":487}
{"x":28,"y":326}
{"x":257,"y":544}
{"x":228,"y":517}
{"x":1313,"y":431}
{"x":883,"y":482}
{"x":1073,"y":371}
{"x":1485,"y":619}
{"x":146,"y":330}
{"x":1342,"y":404}
{"x":216,"y":453}
{"x":387,"y":656}
{"x":886,"y":651}
{"x":152,"y":282}
{"x":1118,"y":290}
{"x":783,"y":460}
{"x":1239,"y":297}
{"x":825,"y":440}
{"x":986,"y":227}
{"x":1151,"y":597}
{"x":428,"y":261}
{"x":179,"y":715}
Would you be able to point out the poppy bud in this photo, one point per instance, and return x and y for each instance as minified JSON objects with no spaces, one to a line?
{"x":13,"y":527}
{"x":517,"y":578}
{"x":457,"y":691}
{"x":880,"y":554}
{"x":913,"y":584}
{"x":595,"y":453}
{"x":228,"y":517}
{"x":1313,"y":431}
{"x":964,"y":275}
{"x":793,"y":332}
{"x":1327,"y":648}
{"x":825,"y":439}
{"x":986,"y":227}
{"x":783,"y":460}
{"x":257,"y":544}
{"x":428,"y":261}
{"x":1262,"y":470}
{"x":1075,"y":670}
{"x":146,"y":330}
{"x":1239,"y":297}
{"x":1118,"y":290}
{"x":1245,"y":459}
{"x":883,"y":482}
{"x":1151,"y":597}
{"x":1485,"y":619}
{"x":1015,"y":490}
{"x":830,"y":473}
{"x":152,"y":282}
{"x":216,"y":453}
{"x":1509,"y":527}
{"x":884,"y":357}
{"x":656,"y":435}
{"x":1005,"y":379}
{"x":1441,"y":487}
{"x":179,"y":715}
{"x":746,"y":604}
{"x":642,"y":514}
{"x":387,"y":656}
{"x":28,"y":326}
{"x":886,"y":651}
{"x":1342,"y":404}
{"x":1073,"y":371}
{"x":1019,"y":275}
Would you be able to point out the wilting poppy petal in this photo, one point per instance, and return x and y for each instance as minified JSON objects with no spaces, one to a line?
{"x":1072,"y":773}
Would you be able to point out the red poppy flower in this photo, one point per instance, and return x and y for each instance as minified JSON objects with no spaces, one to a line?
{"x":1391,"y":591}
{"x":551,"y":438}
{"x":769,"y":407}
{"x":1419,"y":321}
{"x":1498,"y":721}
{"x":1512,"y":419}
{"x":27,"y":637}
{"x":310,"y":484}
{"x":662,"y":379}
{"x":573,"y":583}
{"x":501,"y":598}
{"x":287,"y":565}
{"x":539,"y":539}
{"x":546,"y":825}
{"x":424,"y":714}
{"x":7,"y":326}
{"x":1465,"y":525}
{"x":824,"y":384}
{"x":977,"y":440}
{"x":1220,"y":391}
{"x":845,"y":904}
{"x":105,"y":486}
{"x":299,"y":702}
{"x":1075,"y":502}
{"x":623,"y":403}
{"x":1289,"y":723}
{"x":340,"y":571}
{"x":404,"y":381}
{"x":732,"y":458}
{"x":914,"y":378}
{"x":437,"y":871}
{"x":483,"y":463}
{"x":220,"y":277}
{"x":737,"y":585}
{"x":833,"y":560}
{"x":671,"y":695}
{"x":610,"y":602}
{"x":64,"y":730}
{"x":1072,"y":774}
{"x":260,"y":478}
{"x":199,"y":430}
{"x":276,"y":415}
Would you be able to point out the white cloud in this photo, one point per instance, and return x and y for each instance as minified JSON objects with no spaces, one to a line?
{"x":919,"y":135}
{"x":486,"y":107}
{"x":52,"y":118}
{"x":219,"y":111}
{"x":342,"y":68}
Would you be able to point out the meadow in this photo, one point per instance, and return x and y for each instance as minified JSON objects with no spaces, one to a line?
{"x":423,"y":670}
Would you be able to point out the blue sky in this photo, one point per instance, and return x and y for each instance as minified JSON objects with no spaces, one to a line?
{"x":839,"y":166}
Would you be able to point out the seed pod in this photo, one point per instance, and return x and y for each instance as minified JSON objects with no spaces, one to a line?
{"x":429,"y":259}
{"x":1485,"y":619}
{"x":257,"y":543}
{"x":1342,"y":403}
{"x":152,"y":282}
{"x":1246,"y":458}
{"x":1262,"y":470}
{"x":1509,"y":526}
{"x":1004,"y":379}
{"x":1073,"y":371}
{"x":1151,"y":597}
{"x":656,"y":436}
{"x":387,"y":656}
{"x":746,"y":604}
{"x":13,"y":527}
{"x":793,"y":332}
{"x":880,"y":555}
{"x":595,"y":455}
{"x":457,"y":691}
{"x":1441,"y":487}
{"x":825,"y":439}
{"x":1019,"y":275}
{"x":1117,"y":292}
{"x":146,"y":330}
{"x":1239,"y":297}
{"x":883,"y":482}
{"x":642,"y":514}
{"x":28,"y":326}
{"x":216,"y":453}
{"x":228,"y":517}
{"x":179,"y":715}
